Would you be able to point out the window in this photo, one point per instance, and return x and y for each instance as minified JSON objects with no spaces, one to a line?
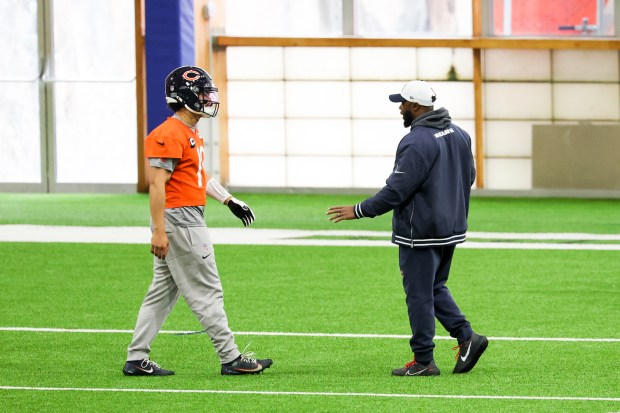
{"x":20,"y":155}
{"x":67,"y":78}
{"x":284,"y":18}
{"x":553,"y":18}
{"x":93,"y":75}
{"x":371,"y":18}
{"x":409,"y":18}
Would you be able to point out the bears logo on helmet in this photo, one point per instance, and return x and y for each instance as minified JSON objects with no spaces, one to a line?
{"x":192,"y":87}
{"x":191,"y":75}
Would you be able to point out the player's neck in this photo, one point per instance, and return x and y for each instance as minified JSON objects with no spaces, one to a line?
{"x":187,"y":117}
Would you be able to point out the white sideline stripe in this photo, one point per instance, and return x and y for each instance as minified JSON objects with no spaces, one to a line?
{"x":539,"y":246}
{"x":308,"y":393}
{"x":290,"y":334}
{"x":565,"y":236}
{"x":253,"y":236}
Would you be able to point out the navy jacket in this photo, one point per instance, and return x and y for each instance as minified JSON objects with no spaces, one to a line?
{"x":430,"y":185}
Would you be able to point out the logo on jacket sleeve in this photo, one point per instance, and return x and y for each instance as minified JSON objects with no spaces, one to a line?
{"x":192,"y":142}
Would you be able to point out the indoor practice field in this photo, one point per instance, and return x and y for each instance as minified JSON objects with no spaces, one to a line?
{"x":332,"y":318}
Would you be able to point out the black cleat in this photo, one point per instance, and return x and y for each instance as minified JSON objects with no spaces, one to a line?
{"x":472,"y":349}
{"x":414,"y":368}
{"x":245,"y":365}
{"x":144,"y":367}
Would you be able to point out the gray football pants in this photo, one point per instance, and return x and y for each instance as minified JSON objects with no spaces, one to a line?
{"x":189,"y":269}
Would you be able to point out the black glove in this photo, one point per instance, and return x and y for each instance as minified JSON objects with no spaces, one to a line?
{"x":241,"y":211}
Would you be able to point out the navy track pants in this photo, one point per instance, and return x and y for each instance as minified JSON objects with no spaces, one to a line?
{"x":425,"y":273}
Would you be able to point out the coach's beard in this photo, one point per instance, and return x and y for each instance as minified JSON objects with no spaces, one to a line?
{"x":408,"y":119}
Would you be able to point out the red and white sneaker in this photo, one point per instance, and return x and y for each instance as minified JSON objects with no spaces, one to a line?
{"x":414,"y":368}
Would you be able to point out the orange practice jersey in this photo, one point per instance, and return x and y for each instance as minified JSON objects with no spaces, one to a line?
{"x":174,"y":139}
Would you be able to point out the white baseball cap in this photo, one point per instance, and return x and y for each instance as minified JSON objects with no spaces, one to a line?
{"x":416,"y":91}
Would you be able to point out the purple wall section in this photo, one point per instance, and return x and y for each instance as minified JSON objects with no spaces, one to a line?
{"x":169,"y":43}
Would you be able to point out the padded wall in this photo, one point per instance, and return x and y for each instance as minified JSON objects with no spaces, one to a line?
{"x":169,"y":43}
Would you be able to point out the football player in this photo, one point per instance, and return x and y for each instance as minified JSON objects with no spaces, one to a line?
{"x":184,"y":260}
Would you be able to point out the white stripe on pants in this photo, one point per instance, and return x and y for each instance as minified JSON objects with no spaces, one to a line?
{"x":189,"y":269}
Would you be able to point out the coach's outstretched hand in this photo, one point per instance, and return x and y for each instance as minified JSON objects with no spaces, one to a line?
{"x":241,"y":211}
{"x":341,"y":213}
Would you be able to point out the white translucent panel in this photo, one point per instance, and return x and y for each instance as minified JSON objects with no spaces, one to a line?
{"x":475,"y":184}
{"x":413,"y":17}
{"x":370,"y":100}
{"x":586,"y":101}
{"x":257,"y":171}
{"x":371,"y":172}
{"x":457,"y":97}
{"x":284,"y":17}
{"x":499,"y":64}
{"x":463,"y":63}
{"x":377,"y":137}
{"x":255,"y":63}
{"x":20,"y":142}
{"x":258,"y":99}
{"x":94,"y":40}
{"x":19,"y":53}
{"x":311,"y":63}
{"x":585,"y":65}
{"x":508,"y":138}
{"x":436,"y":63}
{"x":598,"y":123}
{"x":383,"y":63}
{"x":318,"y":137}
{"x":517,"y":100}
{"x":502,"y":173}
{"x":315,"y":99}
{"x":469,"y":126}
{"x":256,"y":136}
{"x":319,"y":171}
{"x":96,"y":133}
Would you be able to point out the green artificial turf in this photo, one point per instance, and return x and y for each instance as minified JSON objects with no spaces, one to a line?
{"x":505,"y":293}
{"x":297,"y":211}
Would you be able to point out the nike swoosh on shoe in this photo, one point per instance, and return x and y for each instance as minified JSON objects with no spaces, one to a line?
{"x":255,"y":370}
{"x":417,"y":373}
{"x":145,"y":370}
{"x":466,"y":354}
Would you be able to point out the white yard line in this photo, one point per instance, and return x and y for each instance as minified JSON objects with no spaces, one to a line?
{"x":295,"y":334}
{"x":564,"y":236}
{"x":252,"y":236}
{"x":309,"y":393}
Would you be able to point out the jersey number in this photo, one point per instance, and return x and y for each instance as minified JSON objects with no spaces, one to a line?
{"x":201,"y":158}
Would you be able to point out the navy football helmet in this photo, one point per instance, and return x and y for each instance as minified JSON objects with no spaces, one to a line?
{"x":193,"y":87}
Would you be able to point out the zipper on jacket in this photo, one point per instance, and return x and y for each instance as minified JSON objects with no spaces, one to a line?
{"x":411,"y":222}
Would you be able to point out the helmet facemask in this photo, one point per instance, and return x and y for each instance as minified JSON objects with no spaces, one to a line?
{"x":208,"y":101}
{"x":193,"y":88}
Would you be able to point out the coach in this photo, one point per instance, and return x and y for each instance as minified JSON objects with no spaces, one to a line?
{"x":428,"y":191}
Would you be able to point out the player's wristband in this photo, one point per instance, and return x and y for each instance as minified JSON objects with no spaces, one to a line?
{"x":216,"y":191}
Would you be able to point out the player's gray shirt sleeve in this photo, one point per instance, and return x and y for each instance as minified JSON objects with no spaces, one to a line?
{"x":164,"y":163}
